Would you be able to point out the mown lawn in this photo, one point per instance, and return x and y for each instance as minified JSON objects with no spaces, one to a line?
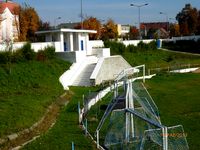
{"x":26,"y":93}
{"x":66,"y":130}
{"x":178,"y":99}
{"x":159,"y":58}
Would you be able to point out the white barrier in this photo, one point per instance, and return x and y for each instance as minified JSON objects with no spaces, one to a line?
{"x":135,"y":42}
{"x":35,"y":46}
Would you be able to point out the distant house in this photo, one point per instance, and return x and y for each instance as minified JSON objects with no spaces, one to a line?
{"x":152,"y":28}
{"x":155,"y":25}
{"x":9,"y":21}
{"x":123,"y":29}
{"x":161,"y":33}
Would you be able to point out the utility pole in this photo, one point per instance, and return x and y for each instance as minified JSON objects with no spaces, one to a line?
{"x":139,"y":6}
{"x":81,"y":14}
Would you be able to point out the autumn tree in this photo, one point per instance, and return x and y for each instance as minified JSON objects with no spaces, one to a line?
{"x":198,"y":24}
{"x":109,"y":30}
{"x":174,"y":30}
{"x":44,"y":25}
{"x":91,"y":23}
{"x":187,"y":20}
{"x":29,"y":23}
{"x":134,"y":33}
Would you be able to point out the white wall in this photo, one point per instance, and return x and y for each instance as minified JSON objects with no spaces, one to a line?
{"x":101,"y":52}
{"x":195,"y":37}
{"x":34,"y":46}
{"x":96,"y":43}
{"x":135,"y":42}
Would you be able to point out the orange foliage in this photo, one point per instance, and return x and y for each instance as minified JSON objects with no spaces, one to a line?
{"x":29,"y":23}
{"x":91,"y":23}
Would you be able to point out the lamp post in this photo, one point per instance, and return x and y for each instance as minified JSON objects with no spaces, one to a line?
{"x":139,"y":6}
{"x":81,"y":14}
{"x":167,"y":20}
{"x":55,"y":21}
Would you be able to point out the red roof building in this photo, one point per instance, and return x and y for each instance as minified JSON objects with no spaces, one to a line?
{"x":155,"y":25}
{"x":12,"y":6}
{"x":9,"y":21}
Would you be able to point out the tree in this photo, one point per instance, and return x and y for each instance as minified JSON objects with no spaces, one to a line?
{"x":134,"y":33}
{"x":174,"y":30}
{"x":198,"y":24}
{"x":44,"y":25}
{"x":109,"y":30}
{"x":29,"y":23}
{"x":91,"y":23}
{"x":187,"y":20}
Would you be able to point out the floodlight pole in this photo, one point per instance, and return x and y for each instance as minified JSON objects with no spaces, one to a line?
{"x":167,"y":19}
{"x":81,"y":14}
{"x":55,"y":21}
{"x":139,"y":6}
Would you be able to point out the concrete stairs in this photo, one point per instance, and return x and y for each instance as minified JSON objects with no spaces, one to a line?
{"x":83,"y":78}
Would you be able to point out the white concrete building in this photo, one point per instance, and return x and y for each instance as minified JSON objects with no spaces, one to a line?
{"x":9,"y":21}
{"x":74,"y":42}
{"x":70,"y":39}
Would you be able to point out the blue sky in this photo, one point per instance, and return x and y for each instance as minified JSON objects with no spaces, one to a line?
{"x":119,"y":10}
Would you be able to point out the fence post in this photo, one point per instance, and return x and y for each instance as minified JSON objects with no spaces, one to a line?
{"x":98,"y":139}
{"x":83,"y":97}
{"x":86,"y":127}
{"x":165,"y":138}
{"x":143,"y":73}
{"x":79,"y":113}
{"x":73,"y":146}
{"x":149,"y":71}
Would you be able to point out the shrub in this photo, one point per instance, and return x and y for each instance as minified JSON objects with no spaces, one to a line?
{"x":131,"y":48}
{"x":115,"y":47}
{"x":4,"y":57}
{"x":152,"y":45}
{"x":49,"y":52}
{"x":41,"y":55}
{"x":27,"y":52}
{"x":17,"y":56}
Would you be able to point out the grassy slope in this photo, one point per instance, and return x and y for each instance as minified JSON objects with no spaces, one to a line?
{"x":66,"y":128}
{"x":159,"y":58}
{"x":177,"y":97}
{"x":27,"y":91}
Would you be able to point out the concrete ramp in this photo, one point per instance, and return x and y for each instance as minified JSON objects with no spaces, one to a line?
{"x":108,"y":68}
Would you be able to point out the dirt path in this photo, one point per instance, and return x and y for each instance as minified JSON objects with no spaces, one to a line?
{"x":16,"y":140}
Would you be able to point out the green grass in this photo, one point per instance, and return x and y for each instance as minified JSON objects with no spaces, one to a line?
{"x":149,"y":55}
{"x":159,"y":58}
{"x":26,"y":93}
{"x":66,"y":130}
{"x":177,"y":97}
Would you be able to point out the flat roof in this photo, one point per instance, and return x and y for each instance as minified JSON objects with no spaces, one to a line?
{"x":66,"y":30}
